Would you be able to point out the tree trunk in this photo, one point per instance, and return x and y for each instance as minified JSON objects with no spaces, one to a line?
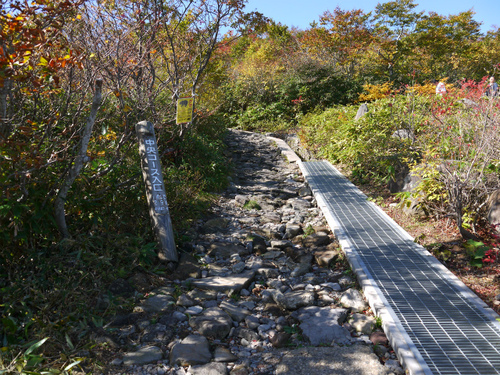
{"x":4,"y":121}
{"x":75,"y":169}
{"x":6,"y":85}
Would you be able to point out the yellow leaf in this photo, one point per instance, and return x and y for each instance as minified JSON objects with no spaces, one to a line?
{"x":79,"y":17}
{"x":43,"y":61}
{"x":126,"y":108}
{"x":101,"y":153}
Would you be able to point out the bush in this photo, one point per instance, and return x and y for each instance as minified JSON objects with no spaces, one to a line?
{"x":365,"y":146}
{"x":57,"y":289}
{"x":270,"y":102}
{"x":454,"y":145}
{"x":463,"y":141}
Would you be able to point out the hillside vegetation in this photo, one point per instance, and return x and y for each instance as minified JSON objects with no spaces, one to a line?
{"x":76,"y":76}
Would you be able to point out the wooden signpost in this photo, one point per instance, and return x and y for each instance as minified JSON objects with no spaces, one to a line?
{"x":155,"y":191}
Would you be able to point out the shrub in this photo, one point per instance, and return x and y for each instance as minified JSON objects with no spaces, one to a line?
{"x":375,"y":92}
{"x":463,"y":142}
{"x":366,"y":146}
{"x":276,"y":101}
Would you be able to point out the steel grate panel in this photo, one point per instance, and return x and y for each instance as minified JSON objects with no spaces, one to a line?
{"x":451,"y":333}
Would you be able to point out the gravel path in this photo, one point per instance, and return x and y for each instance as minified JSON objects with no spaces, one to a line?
{"x":262,"y":288}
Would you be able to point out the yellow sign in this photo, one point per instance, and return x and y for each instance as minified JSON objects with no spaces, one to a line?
{"x":184,"y":110}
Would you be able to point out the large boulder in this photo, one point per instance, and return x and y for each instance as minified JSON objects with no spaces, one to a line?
{"x":406,"y":181}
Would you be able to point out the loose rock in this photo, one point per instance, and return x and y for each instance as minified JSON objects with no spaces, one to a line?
{"x":193,"y":350}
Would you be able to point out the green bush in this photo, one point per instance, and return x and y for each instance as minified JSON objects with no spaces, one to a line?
{"x":365,"y":146}
{"x":277,"y":103}
{"x":48,"y":285}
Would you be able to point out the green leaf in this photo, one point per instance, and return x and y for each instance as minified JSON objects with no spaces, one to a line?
{"x":479,"y":254}
{"x":70,"y":344}
{"x":35,"y":346}
{"x":477,"y":263}
{"x":473,"y":243}
{"x":9,"y":325}
{"x":70,"y":366}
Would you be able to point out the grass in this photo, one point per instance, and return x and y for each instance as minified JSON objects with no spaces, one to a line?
{"x":59,"y":293}
{"x":252,"y":205}
{"x":55,"y":295}
{"x":309,"y":230}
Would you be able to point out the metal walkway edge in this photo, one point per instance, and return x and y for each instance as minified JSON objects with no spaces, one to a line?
{"x":434,"y":322}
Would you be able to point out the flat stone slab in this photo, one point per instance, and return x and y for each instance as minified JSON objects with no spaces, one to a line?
{"x":228,"y":284}
{"x":300,"y":204}
{"x":159,"y":303}
{"x":235,"y":312}
{"x":193,"y":350}
{"x":209,"y":369}
{"x":344,"y":360}
{"x":325,"y":257}
{"x":224,"y":355}
{"x":214,"y":322}
{"x":143,"y":356}
{"x":292,"y":300}
{"x":285,"y":150}
{"x":225,"y":250}
{"x":321,"y":325}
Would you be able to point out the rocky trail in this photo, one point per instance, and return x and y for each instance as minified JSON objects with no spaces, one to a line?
{"x":263,"y":289}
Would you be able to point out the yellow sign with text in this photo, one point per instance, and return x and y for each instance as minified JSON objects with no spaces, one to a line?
{"x":184,"y":110}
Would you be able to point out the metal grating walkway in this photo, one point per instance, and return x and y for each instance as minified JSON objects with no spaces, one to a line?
{"x":434,"y":322}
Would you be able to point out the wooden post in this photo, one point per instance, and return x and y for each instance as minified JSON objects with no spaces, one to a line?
{"x":155,"y":191}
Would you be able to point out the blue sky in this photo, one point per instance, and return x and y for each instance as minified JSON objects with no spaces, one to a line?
{"x":301,"y":13}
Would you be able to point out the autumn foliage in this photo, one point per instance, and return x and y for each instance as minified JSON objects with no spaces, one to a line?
{"x":67,"y":144}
